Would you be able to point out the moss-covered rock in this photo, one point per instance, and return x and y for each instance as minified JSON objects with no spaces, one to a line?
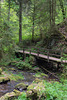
{"x":12,"y":69}
{"x":36,"y":69}
{"x":32,"y":60}
{"x":0,"y":71}
{"x":44,"y":75}
{"x":37,"y":80}
{"x":35,"y":90}
{"x":4,"y":79}
{"x":41,"y":75}
{"x":11,"y":95}
{"x":21,"y":86}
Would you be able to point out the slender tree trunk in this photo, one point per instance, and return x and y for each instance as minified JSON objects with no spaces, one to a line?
{"x":33,"y":23}
{"x":62,"y":7}
{"x":0,"y":7}
{"x":9,"y":10}
{"x":20,"y":21}
{"x":40,"y":27}
{"x":53,"y":12}
{"x":50,"y":10}
{"x":33,"y":30}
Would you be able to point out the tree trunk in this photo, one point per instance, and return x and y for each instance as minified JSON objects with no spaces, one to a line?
{"x":9,"y":10}
{"x":20,"y":21}
{"x":33,"y":30}
{"x":50,"y":10}
{"x":0,"y":7}
{"x":53,"y":12}
{"x":40,"y":27}
{"x":33,"y":23}
{"x":62,"y":7}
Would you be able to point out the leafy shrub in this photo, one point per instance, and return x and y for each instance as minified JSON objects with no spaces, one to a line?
{"x":64,"y":72}
{"x":55,"y":91}
{"x":22,"y":64}
{"x":52,"y":91}
{"x":22,"y":97}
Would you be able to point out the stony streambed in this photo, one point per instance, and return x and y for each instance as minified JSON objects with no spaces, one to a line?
{"x":9,"y":86}
{"x":28,"y":79}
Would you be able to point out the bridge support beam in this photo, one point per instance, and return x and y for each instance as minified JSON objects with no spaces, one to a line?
{"x":58,"y":66}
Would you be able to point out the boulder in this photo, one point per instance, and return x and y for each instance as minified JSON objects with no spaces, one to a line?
{"x":21,"y":86}
{"x":12,"y":69}
{"x":4,"y":79}
{"x":41,"y":75}
{"x":37,"y":80}
{"x":36,"y":69}
{"x":34,"y":91}
{"x":32,"y":60}
{"x":11,"y":95}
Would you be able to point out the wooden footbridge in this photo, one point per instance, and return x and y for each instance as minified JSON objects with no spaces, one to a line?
{"x":45,"y":54}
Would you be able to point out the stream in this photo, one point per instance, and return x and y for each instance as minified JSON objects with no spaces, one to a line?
{"x":28,"y":79}
{"x":9,"y":86}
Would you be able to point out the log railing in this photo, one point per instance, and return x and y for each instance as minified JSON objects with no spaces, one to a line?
{"x":49,"y":53}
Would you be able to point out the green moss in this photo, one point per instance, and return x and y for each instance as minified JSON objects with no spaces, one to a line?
{"x":22,"y":97}
{"x":13,"y":69}
{"x":11,"y":96}
{"x":0,"y":71}
{"x":32,"y":60}
{"x":34,"y":90}
{"x":37,"y":80}
{"x":4,"y":79}
{"x":21,"y":85}
{"x":16,"y":77}
{"x":40,"y":75}
{"x":37,"y":74}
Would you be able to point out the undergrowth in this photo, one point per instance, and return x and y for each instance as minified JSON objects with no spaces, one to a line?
{"x":53,"y":91}
{"x":64,"y":67}
{"x":22,"y":64}
{"x":22,"y":97}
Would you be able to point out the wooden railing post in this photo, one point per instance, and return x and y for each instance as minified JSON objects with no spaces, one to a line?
{"x":48,"y":55}
{"x":30,"y":51}
{"x":61,"y":55}
{"x":23,"y":51}
{"x":38,"y":52}
{"x":24,"y":55}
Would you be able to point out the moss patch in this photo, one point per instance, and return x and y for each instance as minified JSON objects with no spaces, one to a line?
{"x":0,"y":71}
{"x":34,"y":90}
{"x":42,"y":75}
{"x":11,"y":95}
{"x":21,"y":86}
{"x":16,"y":77}
{"x":4,"y":79}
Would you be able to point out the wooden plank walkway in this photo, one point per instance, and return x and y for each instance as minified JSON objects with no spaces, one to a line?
{"x":58,"y":60}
